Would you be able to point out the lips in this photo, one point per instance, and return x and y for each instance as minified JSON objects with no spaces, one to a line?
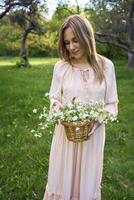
{"x":75,"y":52}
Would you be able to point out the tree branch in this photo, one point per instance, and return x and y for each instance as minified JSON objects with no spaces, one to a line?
{"x":11,"y":4}
{"x":8,"y":8}
{"x":116,"y":44}
{"x":78,"y":7}
{"x":112,"y":36}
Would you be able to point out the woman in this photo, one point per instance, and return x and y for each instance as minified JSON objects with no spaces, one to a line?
{"x":75,"y":169}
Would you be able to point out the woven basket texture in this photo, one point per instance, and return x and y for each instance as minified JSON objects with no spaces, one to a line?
{"x":77,"y":131}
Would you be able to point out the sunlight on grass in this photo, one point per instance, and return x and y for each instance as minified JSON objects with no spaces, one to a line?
{"x":9,"y":61}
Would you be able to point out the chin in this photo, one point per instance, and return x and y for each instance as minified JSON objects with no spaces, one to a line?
{"x":78,"y":57}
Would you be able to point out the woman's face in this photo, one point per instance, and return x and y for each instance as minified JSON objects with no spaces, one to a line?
{"x":73,"y":46}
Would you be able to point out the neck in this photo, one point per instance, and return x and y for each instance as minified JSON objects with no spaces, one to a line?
{"x":82,"y":64}
{"x":83,"y":61}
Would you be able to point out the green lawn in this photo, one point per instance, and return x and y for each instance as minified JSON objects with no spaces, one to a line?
{"x":24,"y":158}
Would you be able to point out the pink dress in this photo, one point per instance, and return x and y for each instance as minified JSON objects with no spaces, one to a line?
{"x":75,"y":169}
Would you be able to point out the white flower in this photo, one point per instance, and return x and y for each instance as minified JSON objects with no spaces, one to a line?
{"x":77,"y":100}
{"x":8,"y":135}
{"x":124,"y":21}
{"x":74,"y":118}
{"x":38,"y":135}
{"x":41,"y":116}
{"x":73,"y":111}
{"x":46,"y":94}
{"x":85,"y":115}
{"x":42,"y":128}
{"x":32,"y":131}
{"x":44,"y":109}
{"x":70,"y":105}
{"x":40,"y":124}
{"x":45,"y":126}
{"x":34,"y":110}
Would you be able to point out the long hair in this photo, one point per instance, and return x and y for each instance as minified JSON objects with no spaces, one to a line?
{"x":84,"y":33}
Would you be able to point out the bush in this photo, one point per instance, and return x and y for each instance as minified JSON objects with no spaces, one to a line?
{"x":111,"y":52}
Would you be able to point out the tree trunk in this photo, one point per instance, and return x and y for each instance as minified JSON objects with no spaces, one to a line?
{"x":23,"y":50}
{"x":130,"y":36}
{"x":130,"y":60}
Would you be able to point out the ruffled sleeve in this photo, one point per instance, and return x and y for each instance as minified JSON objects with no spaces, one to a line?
{"x":55,"y":93}
{"x":111,"y":96}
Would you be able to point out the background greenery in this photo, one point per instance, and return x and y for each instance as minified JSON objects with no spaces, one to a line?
{"x":24,"y":158}
{"x":105,"y":16}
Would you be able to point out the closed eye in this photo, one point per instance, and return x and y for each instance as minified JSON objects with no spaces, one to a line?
{"x":73,"y":40}
{"x":67,"y":42}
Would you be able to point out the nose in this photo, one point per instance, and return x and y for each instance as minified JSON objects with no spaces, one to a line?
{"x":72,"y":45}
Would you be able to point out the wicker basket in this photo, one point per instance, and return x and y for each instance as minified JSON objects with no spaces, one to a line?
{"x":77,"y":131}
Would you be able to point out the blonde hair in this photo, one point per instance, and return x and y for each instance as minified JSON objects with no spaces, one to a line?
{"x":85,"y":36}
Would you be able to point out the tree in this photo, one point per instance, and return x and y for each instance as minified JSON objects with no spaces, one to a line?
{"x":27,"y":14}
{"x":62,"y":11}
{"x":8,"y":5}
{"x":115,"y":24}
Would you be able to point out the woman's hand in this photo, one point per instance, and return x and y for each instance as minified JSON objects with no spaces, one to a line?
{"x":93,"y":127}
{"x":56,"y":105}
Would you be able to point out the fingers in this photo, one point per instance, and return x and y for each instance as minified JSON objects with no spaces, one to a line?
{"x":92,"y":124}
{"x":56,"y":106}
{"x":95,"y":125}
{"x":61,"y":105}
{"x":89,"y":135}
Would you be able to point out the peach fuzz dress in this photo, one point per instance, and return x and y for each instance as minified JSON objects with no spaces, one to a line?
{"x":75,"y":169}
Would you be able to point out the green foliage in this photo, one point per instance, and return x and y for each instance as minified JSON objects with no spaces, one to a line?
{"x":18,"y":17}
{"x":111,"y":17}
{"x":111,"y":52}
{"x":105,"y":16}
{"x":10,"y":39}
{"x":24,"y":158}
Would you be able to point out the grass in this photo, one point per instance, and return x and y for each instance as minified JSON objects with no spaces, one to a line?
{"x":24,"y":158}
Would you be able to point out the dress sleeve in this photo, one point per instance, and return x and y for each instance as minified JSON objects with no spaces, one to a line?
{"x":111,"y":96}
{"x":55,"y":88}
